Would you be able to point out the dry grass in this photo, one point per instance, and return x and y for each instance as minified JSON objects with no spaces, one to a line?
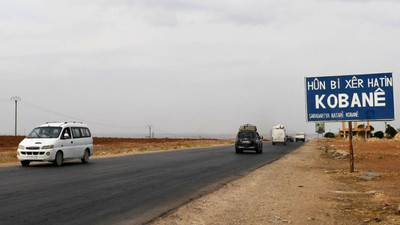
{"x":9,"y":156}
{"x":109,"y":146}
{"x":112,"y":146}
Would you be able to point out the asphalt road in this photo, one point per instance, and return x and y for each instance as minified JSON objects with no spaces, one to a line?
{"x":121,"y":190}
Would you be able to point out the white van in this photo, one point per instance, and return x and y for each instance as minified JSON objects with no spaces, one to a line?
{"x":300,"y":136}
{"x":56,"y":142}
{"x":278,"y":134}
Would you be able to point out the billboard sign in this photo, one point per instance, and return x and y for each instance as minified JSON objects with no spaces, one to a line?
{"x":350,"y":97}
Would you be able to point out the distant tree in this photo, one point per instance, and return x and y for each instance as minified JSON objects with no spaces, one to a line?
{"x":371,"y":128}
{"x":363,"y":126}
{"x":329,"y":135}
{"x":390,"y":131}
{"x":379,"y":134}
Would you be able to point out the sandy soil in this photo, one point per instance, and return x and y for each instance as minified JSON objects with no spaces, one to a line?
{"x":107,"y":146}
{"x":307,"y":186}
{"x":117,"y":146}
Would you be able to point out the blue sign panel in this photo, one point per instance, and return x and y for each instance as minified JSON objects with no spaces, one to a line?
{"x":350,"y":97}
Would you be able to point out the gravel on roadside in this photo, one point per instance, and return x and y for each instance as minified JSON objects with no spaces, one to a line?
{"x":292,"y":190}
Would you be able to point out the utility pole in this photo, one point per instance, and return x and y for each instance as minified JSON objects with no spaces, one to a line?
{"x":16,"y":99}
{"x":149,"y":126}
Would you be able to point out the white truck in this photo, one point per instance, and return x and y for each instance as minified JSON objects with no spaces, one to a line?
{"x":278,"y":134}
{"x":300,"y":136}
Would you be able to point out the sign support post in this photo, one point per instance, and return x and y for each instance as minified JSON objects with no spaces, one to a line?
{"x":351,"y":147}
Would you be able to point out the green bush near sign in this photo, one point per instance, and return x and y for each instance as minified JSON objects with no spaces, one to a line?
{"x":390,"y":131}
{"x":329,"y":135}
{"x":379,"y":134}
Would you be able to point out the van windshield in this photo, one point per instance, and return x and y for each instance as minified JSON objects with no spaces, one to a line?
{"x":45,"y":132}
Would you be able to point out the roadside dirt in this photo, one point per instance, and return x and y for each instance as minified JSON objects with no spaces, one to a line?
{"x":108,"y":146}
{"x":8,"y":148}
{"x":307,"y":186}
{"x":118,"y":146}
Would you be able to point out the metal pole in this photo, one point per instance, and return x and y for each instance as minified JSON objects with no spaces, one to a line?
{"x":16,"y":99}
{"x":385,"y":127}
{"x":16,"y":116}
{"x":351,"y":147}
{"x":149,"y":131}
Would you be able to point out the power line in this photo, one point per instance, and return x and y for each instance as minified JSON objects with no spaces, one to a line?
{"x":80,"y":119}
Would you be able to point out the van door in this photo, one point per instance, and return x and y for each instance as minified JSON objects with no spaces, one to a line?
{"x":67,"y":143}
{"x":79,"y":142}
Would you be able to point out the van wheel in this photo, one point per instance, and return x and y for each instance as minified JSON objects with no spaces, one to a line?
{"x":25,"y":163}
{"x":59,"y":159}
{"x":85,"y":158}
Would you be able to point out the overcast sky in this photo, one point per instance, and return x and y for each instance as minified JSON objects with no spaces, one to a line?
{"x":184,"y":66}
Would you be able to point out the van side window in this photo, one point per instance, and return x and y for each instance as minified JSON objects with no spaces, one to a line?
{"x":66,"y":131}
{"x":76,"y":132}
{"x":85,"y":132}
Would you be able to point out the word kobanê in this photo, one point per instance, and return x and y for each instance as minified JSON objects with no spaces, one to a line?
{"x":343,"y":100}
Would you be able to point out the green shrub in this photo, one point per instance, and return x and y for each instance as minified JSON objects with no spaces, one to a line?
{"x":390,"y":131}
{"x":329,"y":135}
{"x":379,"y":134}
{"x":371,"y":128}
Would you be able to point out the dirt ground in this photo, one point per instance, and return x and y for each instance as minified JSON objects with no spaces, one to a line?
{"x":311,"y":185}
{"x":107,"y":146}
{"x":116,"y":146}
{"x":8,"y":148}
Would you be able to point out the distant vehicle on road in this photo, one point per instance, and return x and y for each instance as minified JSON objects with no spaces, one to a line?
{"x":278,"y":134}
{"x":56,"y":142}
{"x":300,"y":136}
{"x":289,"y":138}
{"x":248,"y":139}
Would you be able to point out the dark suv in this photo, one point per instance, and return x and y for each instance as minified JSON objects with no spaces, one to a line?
{"x":248,"y":140}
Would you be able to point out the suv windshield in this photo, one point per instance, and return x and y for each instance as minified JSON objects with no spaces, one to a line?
{"x":249,"y":135}
{"x":45,"y":132}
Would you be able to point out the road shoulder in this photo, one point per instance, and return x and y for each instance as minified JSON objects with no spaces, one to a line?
{"x":290,"y":190}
